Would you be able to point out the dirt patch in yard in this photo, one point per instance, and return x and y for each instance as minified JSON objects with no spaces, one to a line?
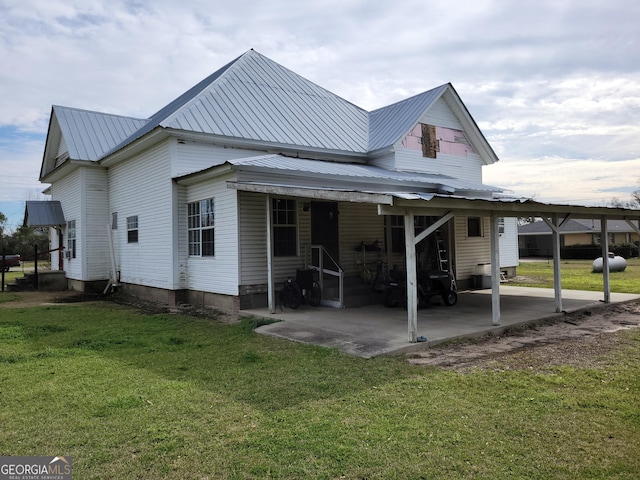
{"x":36,"y":299}
{"x":583,"y":339}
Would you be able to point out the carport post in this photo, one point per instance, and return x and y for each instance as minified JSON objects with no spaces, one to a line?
{"x":495,"y":270}
{"x":604,"y":241}
{"x":554,"y":225}
{"x":270,"y":287}
{"x":412,"y":276}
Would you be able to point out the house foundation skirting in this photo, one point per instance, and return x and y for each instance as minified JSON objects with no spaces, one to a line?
{"x":87,"y":286}
{"x":224,"y":303}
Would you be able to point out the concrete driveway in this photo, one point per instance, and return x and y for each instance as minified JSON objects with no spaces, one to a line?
{"x":374,"y":330}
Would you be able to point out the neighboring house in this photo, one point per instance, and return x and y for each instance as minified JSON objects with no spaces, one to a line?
{"x":256,"y":172}
{"x":534,"y":239}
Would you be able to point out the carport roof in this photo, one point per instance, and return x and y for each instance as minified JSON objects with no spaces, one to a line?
{"x":397,"y":203}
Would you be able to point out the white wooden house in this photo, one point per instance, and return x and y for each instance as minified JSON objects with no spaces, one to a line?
{"x":222,"y":194}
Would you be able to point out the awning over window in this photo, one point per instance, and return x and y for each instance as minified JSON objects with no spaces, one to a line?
{"x":43,"y":213}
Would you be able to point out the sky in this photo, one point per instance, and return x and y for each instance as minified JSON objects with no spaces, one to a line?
{"x":554,"y":85}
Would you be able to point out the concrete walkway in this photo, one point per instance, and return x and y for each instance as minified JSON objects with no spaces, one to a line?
{"x":375,"y":330}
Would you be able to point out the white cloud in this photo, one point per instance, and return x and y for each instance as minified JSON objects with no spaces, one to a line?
{"x":553,"y":85}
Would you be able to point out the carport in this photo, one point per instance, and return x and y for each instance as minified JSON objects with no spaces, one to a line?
{"x":375,"y":330}
{"x":446,"y":205}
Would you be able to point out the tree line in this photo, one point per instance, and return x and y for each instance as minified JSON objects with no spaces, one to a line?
{"x":22,"y":240}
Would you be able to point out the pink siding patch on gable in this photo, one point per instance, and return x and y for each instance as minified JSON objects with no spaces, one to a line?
{"x":453,"y":142}
{"x":450,"y":141}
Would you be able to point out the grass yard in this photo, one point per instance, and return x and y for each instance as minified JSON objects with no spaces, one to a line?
{"x":577,"y":275}
{"x":132,"y":395}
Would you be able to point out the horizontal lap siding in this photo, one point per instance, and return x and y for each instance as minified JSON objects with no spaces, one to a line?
{"x":509,"y":243}
{"x":441,"y":115}
{"x":360,"y":223}
{"x":142,"y":186}
{"x":217,"y":274}
{"x":464,"y":168}
{"x":97,"y":221}
{"x":253,"y":238}
{"x":470,"y":251}
{"x":253,"y":241}
{"x":193,"y":157}
{"x":68,"y":192}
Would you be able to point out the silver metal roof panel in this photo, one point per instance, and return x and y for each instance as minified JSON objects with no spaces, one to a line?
{"x":89,"y":135}
{"x":382,"y":178}
{"x":43,"y":213}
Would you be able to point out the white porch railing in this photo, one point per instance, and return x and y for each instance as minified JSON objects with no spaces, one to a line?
{"x":330,"y":273}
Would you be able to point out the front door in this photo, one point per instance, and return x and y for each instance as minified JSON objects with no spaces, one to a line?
{"x":324,"y":227}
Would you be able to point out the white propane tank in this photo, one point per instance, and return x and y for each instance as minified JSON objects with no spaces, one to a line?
{"x":616,"y":264}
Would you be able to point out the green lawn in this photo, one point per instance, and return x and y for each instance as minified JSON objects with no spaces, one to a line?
{"x":130,"y":395}
{"x":577,"y":275}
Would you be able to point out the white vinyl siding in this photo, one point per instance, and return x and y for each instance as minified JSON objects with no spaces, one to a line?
{"x":253,"y":241}
{"x":464,"y":168}
{"x":219,"y":273}
{"x":142,"y":187}
{"x":509,"y":256}
{"x":360,"y":223}
{"x":470,"y":251}
{"x":96,"y":220}
{"x":193,"y":157}
{"x":67,"y":191}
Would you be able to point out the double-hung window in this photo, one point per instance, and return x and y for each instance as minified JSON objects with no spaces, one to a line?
{"x":71,"y":238}
{"x":132,"y":229}
{"x":285,"y":227}
{"x":201,"y":228}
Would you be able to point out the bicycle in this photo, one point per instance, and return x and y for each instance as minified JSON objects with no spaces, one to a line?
{"x":301,"y":289}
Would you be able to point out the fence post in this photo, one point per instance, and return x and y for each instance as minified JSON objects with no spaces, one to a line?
{"x":4,"y":256}
{"x":35,"y":265}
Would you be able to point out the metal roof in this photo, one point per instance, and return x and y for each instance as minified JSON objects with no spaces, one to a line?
{"x":255,"y":99}
{"x":43,"y":213}
{"x":356,"y":175}
{"x":89,"y":135}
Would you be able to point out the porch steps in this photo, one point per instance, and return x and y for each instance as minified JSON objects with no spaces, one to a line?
{"x":52,"y":280}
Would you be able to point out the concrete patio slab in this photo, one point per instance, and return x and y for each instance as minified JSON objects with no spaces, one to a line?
{"x":374,"y":330}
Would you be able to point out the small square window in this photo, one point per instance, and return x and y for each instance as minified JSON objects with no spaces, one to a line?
{"x":474,"y":226}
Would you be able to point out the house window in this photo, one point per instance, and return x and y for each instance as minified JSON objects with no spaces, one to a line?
{"x":114,"y":221}
{"x":396,"y":226}
{"x":201,"y":228}
{"x":285,"y":227}
{"x":474,"y":226}
{"x":71,"y":238}
{"x":132,"y":229}
{"x":501,"y":225}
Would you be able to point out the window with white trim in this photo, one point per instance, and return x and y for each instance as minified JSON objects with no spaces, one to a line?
{"x":285,"y":227}
{"x":132,"y":229}
{"x":201,"y":228}
{"x":71,"y":238}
